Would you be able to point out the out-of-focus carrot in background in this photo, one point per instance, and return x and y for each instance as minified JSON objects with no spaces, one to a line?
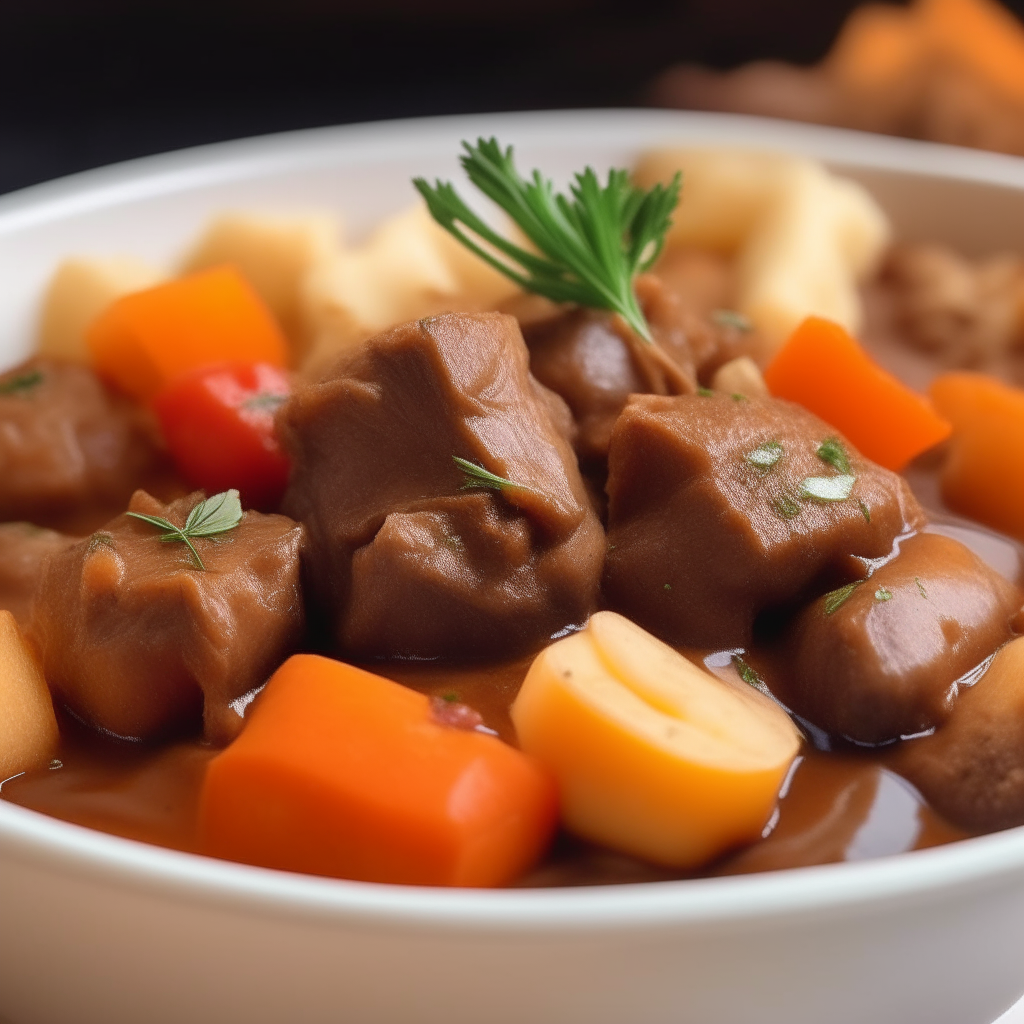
{"x":87,"y":83}
{"x":945,"y":70}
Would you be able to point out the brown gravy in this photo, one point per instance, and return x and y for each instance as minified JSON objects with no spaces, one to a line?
{"x":839,"y":806}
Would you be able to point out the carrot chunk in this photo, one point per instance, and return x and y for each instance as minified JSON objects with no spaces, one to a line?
{"x":984,"y":475}
{"x":144,"y":340}
{"x":341,"y":772}
{"x":822,"y":368}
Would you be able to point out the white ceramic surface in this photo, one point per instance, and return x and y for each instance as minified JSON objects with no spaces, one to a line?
{"x":99,"y":929}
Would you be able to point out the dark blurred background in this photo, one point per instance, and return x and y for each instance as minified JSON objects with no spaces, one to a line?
{"x":86,"y":83}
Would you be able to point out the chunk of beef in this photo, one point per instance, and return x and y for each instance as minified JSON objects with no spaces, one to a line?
{"x":24,"y":549}
{"x":971,"y":769}
{"x":67,"y":442}
{"x":406,"y":560}
{"x":881,"y":659}
{"x":712,"y":518}
{"x":139,"y":642}
{"x":595,"y":362}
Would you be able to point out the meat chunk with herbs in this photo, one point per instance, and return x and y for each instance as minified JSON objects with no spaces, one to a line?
{"x":971,"y":770}
{"x":595,"y":362}
{"x":411,"y":555}
{"x":881,"y":659}
{"x":68,"y":443}
{"x":138,"y":641}
{"x":24,"y":549}
{"x":721,"y":508}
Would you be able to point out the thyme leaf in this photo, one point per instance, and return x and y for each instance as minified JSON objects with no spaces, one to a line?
{"x":21,"y":383}
{"x":477,"y":476}
{"x":827,"y":488}
{"x":865,"y":510}
{"x":218,"y":514}
{"x":765,"y":456}
{"x":786,"y":506}
{"x":831,"y":450}
{"x":882,"y":594}
{"x":590,"y":245}
{"x":835,"y":599}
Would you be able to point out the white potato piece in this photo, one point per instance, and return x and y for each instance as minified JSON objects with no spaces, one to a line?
{"x":740,"y":376}
{"x":408,"y":268}
{"x":802,"y":238}
{"x":275,"y":253}
{"x":28,"y":728}
{"x":80,"y":289}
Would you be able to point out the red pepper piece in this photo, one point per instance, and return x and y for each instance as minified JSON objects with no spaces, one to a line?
{"x":218,"y":423}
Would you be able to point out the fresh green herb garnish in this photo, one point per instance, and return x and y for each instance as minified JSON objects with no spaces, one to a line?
{"x":831,"y":450}
{"x":218,"y":514}
{"x":265,"y":402}
{"x":591,"y":246}
{"x":920,"y":587}
{"x":450,"y":698}
{"x":786,"y":506}
{"x":477,"y":476}
{"x":834,"y":599}
{"x":749,"y":675}
{"x":864,"y":510}
{"x":99,"y":540}
{"x":881,"y":594}
{"x":764,"y":456}
{"x":668,"y":586}
{"x":737,"y":397}
{"x":731,"y":318}
{"x":22,"y":383}
{"x":706,"y":392}
{"x":827,"y":488}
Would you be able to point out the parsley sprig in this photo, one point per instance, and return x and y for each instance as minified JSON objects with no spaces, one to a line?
{"x":218,"y":514}
{"x":591,"y":246}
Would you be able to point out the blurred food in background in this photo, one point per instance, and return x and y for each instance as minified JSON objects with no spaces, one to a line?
{"x":945,"y":70}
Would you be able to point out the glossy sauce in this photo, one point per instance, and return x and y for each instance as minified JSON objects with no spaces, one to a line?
{"x":837,"y":806}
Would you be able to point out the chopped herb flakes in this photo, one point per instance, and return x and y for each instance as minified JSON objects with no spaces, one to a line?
{"x":766,"y":455}
{"x":477,"y":476}
{"x":731,"y":318}
{"x":22,"y":383}
{"x":864,"y":510}
{"x":827,"y":488}
{"x":668,"y":586}
{"x":786,"y":506}
{"x":99,"y":540}
{"x":920,"y":587}
{"x":705,"y":392}
{"x":749,"y":675}
{"x":835,"y":599}
{"x":831,"y":450}
{"x":881,"y":594}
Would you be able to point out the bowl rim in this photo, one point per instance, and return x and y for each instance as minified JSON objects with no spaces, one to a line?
{"x":39,"y":841}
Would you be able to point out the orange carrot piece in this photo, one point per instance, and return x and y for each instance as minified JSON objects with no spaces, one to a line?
{"x":984,"y":475}
{"x":824,"y":369}
{"x":341,"y":772}
{"x":144,"y":340}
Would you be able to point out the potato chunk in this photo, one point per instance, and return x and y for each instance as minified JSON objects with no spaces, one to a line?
{"x":275,"y":254}
{"x":80,"y":289}
{"x":653,"y":755}
{"x":802,"y":237}
{"x":28,"y":728}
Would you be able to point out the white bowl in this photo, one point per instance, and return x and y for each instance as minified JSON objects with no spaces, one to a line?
{"x":94,"y":928}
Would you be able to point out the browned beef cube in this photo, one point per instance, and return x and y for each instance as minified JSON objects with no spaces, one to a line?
{"x":881,"y":659}
{"x":24,"y":549}
{"x":140,"y":642}
{"x":407,"y":562}
{"x":594,"y":361}
{"x":971,"y":769}
{"x":721,"y":508}
{"x":67,"y":442}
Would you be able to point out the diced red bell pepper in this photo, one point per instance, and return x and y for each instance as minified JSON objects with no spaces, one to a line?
{"x":218,"y":423}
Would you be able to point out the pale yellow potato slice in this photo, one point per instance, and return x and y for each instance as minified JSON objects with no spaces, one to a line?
{"x":275,"y":253}
{"x":653,"y":755}
{"x":28,"y":728}
{"x":740,"y":376}
{"x":80,"y":289}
